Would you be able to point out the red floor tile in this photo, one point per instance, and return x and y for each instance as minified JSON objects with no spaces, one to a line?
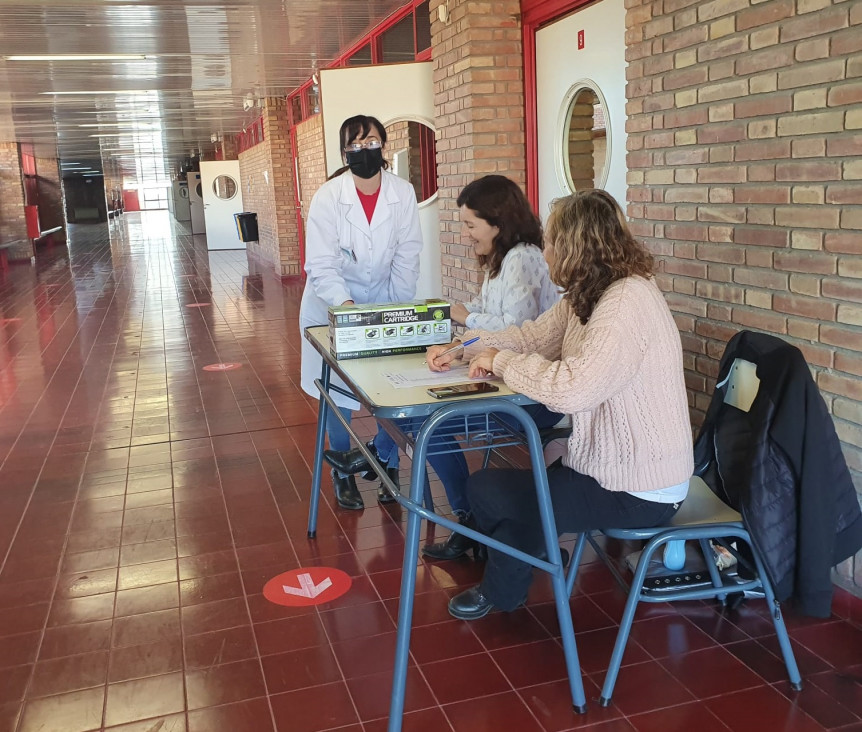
{"x":133,"y":662}
{"x":533,"y":663}
{"x":79,"y":711}
{"x":355,"y":622}
{"x":223,"y":684}
{"x":692,"y":716}
{"x":165,"y":723}
{"x":552,"y":705}
{"x":819,"y":705}
{"x":463,"y":678}
{"x":311,"y":710}
{"x":669,"y":635}
{"x":644,"y":687}
{"x":838,"y":643}
{"x":72,"y":673}
{"x":143,"y":513}
{"x":221,"y":646}
{"x":131,"y":701}
{"x":372,"y":694}
{"x":503,"y":711}
{"x":246,"y":716}
{"x":755,"y":710}
{"x":726,"y":672}
{"x":426,"y":720}
{"x":844,"y":687}
{"x":300,"y":669}
{"x":451,"y":639}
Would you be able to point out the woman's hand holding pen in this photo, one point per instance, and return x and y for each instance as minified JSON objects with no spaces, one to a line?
{"x":483,"y":364}
{"x":437,"y":358}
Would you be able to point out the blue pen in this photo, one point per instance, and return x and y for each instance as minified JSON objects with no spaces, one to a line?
{"x":455,"y":348}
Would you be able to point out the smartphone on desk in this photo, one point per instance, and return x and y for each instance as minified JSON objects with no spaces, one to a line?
{"x":454,"y":390}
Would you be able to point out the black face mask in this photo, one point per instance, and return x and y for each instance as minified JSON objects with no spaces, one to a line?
{"x":365,"y":163}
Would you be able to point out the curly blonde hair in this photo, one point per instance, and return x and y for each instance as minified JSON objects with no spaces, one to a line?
{"x":593,"y":248}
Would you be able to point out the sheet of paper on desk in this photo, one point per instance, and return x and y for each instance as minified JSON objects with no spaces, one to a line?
{"x":421,"y":376}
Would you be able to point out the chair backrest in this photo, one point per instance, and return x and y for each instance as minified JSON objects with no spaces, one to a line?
{"x":742,"y":384}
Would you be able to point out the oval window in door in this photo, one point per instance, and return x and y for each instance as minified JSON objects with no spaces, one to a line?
{"x":199,"y":190}
{"x":224,"y":187}
{"x":412,"y":154}
{"x":586,"y":137}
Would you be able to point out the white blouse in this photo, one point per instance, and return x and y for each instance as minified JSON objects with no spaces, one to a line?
{"x":522,"y":290}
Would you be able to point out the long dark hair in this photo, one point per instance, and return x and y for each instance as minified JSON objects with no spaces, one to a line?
{"x":593,"y":248}
{"x":358,"y":126}
{"x":499,"y":201}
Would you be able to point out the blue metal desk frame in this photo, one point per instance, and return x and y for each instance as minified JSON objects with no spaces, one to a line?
{"x":473,"y":411}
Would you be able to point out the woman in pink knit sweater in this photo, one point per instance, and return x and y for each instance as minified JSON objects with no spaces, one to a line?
{"x":608,"y":354}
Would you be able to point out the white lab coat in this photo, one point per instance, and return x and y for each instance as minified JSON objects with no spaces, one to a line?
{"x":346,"y":258}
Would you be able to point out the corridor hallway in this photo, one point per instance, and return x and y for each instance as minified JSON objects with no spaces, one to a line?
{"x":145,"y":502}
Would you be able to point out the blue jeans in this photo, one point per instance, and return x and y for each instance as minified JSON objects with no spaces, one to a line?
{"x":451,"y":467}
{"x":386,"y":448}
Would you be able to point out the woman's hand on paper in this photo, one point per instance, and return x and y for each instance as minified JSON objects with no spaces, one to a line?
{"x":483,"y":364}
{"x":436,"y":362}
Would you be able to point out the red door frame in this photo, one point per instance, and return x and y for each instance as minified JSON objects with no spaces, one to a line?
{"x":534,"y":15}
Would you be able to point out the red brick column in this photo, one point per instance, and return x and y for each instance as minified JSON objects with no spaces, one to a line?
{"x":312,"y":163}
{"x":479,"y":112}
{"x":266,"y":172}
{"x":13,"y":225}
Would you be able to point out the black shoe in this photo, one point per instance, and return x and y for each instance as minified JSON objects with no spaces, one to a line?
{"x":383,"y":494}
{"x":457,"y":545}
{"x":470,"y":605}
{"x":349,"y":462}
{"x":346,"y":492}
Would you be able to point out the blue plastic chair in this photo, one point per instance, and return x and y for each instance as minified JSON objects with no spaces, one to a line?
{"x":702,"y":517}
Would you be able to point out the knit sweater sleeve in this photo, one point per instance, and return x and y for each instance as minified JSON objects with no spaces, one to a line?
{"x":543,"y":335}
{"x":607,"y":357}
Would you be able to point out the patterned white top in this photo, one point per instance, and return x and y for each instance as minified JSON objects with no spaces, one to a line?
{"x":521,"y":291}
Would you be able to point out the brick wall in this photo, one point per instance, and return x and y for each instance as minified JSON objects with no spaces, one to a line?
{"x":479,"y":113}
{"x":13,"y":225}
{"x":745,"y":160}
{"x":266,"y":172}
{"x":312,"y":166}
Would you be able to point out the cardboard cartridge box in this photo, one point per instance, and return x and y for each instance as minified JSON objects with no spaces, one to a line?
{"x":360,"y":331}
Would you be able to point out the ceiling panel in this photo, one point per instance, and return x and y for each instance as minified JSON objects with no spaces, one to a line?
{"x":202,"y":60}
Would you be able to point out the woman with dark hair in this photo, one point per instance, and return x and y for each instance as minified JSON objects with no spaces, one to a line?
{"x":362,"y":246}
{"x":506,"y":235}
{"x":609,"y":355}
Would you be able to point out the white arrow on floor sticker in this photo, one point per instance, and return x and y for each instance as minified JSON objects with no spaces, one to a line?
{"x":307,"y":587}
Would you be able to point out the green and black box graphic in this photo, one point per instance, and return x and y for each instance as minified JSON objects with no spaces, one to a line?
{"x":360,"y":331}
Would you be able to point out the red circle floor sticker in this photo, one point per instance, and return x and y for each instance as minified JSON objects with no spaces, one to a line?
{"x":307,"y":586}
{"x":223,"y":367}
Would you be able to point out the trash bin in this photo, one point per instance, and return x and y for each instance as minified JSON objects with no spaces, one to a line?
{"x":246,"y":226}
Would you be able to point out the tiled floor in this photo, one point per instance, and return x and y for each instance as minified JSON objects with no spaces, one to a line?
{"x":145,"y":502}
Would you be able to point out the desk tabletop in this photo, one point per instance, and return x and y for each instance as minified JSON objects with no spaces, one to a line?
{"x":364,"y":376}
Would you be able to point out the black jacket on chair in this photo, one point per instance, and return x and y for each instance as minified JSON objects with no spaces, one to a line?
{"x":780,"y":465}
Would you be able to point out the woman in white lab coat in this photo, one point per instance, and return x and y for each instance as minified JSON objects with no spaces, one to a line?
{"x":362,"y":246}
